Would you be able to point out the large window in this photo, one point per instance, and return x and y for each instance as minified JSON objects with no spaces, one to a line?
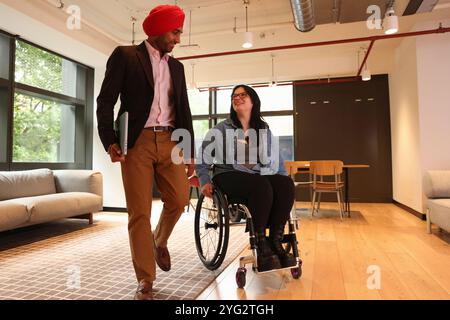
{"x":279,"y":98}
{"x":199,"y":102}
{"x":41,"y":69}
{"x":201,"y":127}
{"x":277,"y":105}
{"x":223,"y":101}
{"x":283,"y":128}
{"x":277,"y":108}
{"x":44,"y":131}
{"x":46,"y":108}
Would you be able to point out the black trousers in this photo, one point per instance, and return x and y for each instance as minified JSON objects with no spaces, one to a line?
{"x":269,"y":198}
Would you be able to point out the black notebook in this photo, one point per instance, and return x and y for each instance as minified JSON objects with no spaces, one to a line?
{"x":121,"y":128}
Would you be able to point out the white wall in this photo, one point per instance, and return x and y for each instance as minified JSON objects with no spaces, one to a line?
{"x":405,"y":135}
{"x":113,"y":193}
{"x":30,"y":29}
{"x":420,"y":112}
{"x":433,"y":70}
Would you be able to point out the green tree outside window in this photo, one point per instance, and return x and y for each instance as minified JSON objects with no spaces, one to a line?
{"x":37,"y":122}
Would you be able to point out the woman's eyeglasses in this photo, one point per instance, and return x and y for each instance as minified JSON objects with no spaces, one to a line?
{"x":241,"y":95}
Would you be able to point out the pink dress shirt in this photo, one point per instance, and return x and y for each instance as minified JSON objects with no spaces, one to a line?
{"x":162,"y":110}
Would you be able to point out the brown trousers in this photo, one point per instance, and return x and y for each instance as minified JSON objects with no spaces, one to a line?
{"x":151,"y":158}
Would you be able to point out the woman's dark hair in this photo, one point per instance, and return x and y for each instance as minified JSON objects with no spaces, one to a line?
{"x":256,"y":121}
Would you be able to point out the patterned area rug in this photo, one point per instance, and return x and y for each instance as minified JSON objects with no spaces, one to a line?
{"x":69,"y":259}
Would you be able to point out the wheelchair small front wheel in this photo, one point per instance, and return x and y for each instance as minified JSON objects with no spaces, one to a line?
{"x":240,"y":277}
{"x":297,"y":271}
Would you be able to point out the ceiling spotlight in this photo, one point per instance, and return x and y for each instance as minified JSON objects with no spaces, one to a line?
{"x":248,"y":40}
{"x":390,"y":23}
{"x":248,"y":36}
{"x":366,"y":75}
{"x":57,"y":3}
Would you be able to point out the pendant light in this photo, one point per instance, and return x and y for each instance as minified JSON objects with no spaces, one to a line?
{"x":193,"y":86}
{"x":273,"y":82}
{"x":390,"y":23}
{"x":248,"y":36}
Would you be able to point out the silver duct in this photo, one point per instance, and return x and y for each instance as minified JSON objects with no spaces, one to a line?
{"x":303,"y":11}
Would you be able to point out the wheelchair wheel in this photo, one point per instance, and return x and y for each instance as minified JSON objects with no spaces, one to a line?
{"x":211,"y":230}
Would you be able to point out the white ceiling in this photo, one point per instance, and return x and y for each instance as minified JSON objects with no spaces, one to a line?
{"x":212,"y":20}
{"x":107,"y":23}
{"x":114,"y":17}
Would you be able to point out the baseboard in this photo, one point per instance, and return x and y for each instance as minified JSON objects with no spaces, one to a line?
{"x":113,"y":209}
{"x":418,"y":214}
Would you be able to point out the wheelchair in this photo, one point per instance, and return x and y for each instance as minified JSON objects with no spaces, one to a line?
{"x":212,"y":229}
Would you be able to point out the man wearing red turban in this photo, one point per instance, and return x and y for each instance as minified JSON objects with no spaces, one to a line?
{"x":152,"y":89}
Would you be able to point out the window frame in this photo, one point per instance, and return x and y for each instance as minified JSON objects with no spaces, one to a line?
{"x":83,"y":113}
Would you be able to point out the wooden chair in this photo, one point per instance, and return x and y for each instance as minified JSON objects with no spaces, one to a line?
{"x":299,"y":167}
{"x":326,"y":176}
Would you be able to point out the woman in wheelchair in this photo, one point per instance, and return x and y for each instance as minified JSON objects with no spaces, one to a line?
{"x":260,"y":180}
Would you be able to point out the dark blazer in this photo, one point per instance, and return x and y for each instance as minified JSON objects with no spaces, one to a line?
{"x":129,"y":74}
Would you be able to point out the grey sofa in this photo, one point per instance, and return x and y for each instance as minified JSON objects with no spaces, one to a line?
{"x":437,"y":191}
{"x":37,"y":196}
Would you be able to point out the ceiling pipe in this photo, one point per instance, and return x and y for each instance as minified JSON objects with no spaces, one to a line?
{"x":303,"y":11}
{"x":323,"y":43}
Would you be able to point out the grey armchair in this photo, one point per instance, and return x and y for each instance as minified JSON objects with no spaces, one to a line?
{"x":437,"y":191}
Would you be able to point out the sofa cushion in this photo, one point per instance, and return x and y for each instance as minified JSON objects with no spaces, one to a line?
{"x":78,"y":181}
{"x":436,"y":184}
{"x":17,"y":184}
{"x":60,"y":205}
{"x":12,"y":215}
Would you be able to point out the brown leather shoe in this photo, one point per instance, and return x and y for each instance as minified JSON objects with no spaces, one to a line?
{"x":162,"y":257}
{"x":144,"y":291}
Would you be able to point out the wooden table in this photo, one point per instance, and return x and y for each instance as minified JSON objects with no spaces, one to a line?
{"x":304,"y":166}
{"x":346,"y":168}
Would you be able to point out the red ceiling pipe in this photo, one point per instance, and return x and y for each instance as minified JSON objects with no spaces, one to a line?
{"x":323,"y":43}
{"x":366,"y":57}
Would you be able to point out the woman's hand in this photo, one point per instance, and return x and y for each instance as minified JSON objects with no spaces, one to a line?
{"x":208,"y":190}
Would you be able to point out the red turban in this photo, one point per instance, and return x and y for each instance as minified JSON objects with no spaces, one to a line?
{"x":163,"y":19}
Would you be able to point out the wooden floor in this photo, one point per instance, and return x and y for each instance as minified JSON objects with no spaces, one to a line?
{"x":342,"y":259}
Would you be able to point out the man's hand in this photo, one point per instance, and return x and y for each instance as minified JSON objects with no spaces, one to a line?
{"x":115,"y":153}
{"x":208,"y":190}
{"x":190,"y":168}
